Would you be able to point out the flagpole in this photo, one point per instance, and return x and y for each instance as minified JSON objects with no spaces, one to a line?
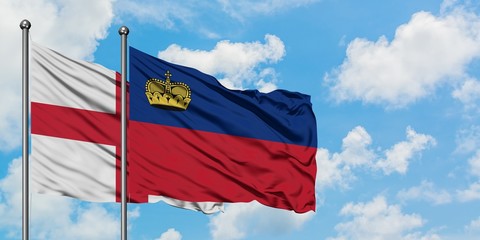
{"x":25,"y":26}
{"x":123,"y":31}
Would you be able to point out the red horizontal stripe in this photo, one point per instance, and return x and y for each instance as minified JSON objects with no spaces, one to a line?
{"x":195,"y":165}
{"x":76,"y":124}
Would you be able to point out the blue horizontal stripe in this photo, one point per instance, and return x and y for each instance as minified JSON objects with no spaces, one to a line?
{"x":279,"y":116}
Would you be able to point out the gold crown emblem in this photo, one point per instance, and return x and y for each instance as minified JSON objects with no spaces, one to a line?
{"x":172,"y":95}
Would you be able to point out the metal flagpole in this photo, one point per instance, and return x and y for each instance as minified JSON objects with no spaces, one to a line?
{"x":123,"y":31}
{"x":25,"y":26}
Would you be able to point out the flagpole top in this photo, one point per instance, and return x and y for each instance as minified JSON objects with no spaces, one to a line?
{"x":25,"y":24}
{"x":123,"y":30}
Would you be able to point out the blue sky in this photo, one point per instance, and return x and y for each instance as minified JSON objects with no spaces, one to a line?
{"x":395,"y":89}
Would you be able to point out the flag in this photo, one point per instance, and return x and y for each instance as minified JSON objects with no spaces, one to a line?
{"x":192,"y":139}
{"x":75,"y":126}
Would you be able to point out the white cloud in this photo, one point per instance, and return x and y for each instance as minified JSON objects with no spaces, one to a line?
{"x":59,"y":24}
{"x":472,"y":193}
{"x":468,"y":140}
{"x":62,"y":25}
{"x":164,"y":13}
{"x":170,"y":14}
{"x":468,"y":94}
{"x":236,"y":72}
{"x":243,"y":219}
{"x":11,"y":196}
{"x":420,"y":236}
{"x":170,"y":234}
{"x":133,"y":214}
{"x":398,"y":157}
{"x":448,"y":5}
{"x":473,"y":226}
{"x":355,"y":150}
{"x":413,"y":65}
{"x":425,"y":191}
{"x":471,"y":231}
{"x":91,"y":222}
{"x":337,"y":169}
{"x":331,"y":171}
{"x":474,"y":163}
{"x":377,"y":220}
{"x":53,"y":217}
{"x":243,"y":9}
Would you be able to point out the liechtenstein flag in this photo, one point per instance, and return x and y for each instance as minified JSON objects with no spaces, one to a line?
{"x":190,"y":138}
